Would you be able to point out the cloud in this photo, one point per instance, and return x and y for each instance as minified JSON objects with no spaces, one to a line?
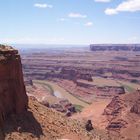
{"x":77,"y":15}
{"x":43,"y":5}
{"x":110,"y":11}
{"x":89,"y":24}
{"x":62,"y":19}
{"x":125,"y":6}
{"x":102,"y":0}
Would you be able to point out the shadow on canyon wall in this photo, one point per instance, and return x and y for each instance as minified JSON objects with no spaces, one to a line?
{"x":23,"y":123}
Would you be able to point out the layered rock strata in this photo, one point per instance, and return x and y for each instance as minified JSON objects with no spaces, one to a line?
{"x":13,"y":98}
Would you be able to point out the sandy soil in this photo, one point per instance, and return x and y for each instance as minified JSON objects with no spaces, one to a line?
{"x":94,"y":113}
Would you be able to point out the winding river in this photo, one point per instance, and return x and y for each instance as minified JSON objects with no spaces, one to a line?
{"x":62,"y":93}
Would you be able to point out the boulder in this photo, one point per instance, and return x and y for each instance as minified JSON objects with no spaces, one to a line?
{"x":89,"y":126}
{"x":136,"y":107}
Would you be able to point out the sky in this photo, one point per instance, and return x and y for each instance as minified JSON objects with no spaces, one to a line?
{"x":69,"y":21}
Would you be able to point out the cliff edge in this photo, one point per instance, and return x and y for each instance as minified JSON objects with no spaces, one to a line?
{"x":13,"y":98}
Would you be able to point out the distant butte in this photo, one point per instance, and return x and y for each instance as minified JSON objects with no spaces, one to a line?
{"x":115,"y":47}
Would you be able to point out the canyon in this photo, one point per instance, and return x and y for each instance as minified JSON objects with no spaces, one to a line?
{"x":87,"y":75}
{"x":66,"y":87}
{"x":23,"y":117}
{"x":91,"y":81}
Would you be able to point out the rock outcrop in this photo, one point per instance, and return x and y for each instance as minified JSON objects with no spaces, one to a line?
{"x":115,"y":106}
{"x":123,"y":117}
{"x":136,"y":107}
{"x":13,"y":98}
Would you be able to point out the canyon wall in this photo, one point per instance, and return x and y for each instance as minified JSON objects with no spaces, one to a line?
{"x":123,"y":116}
{"x":13,"y":98}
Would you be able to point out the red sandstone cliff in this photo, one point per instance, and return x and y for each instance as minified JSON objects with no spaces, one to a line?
{"x":13,"y":98}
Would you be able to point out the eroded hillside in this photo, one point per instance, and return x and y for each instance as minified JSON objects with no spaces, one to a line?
{"x":43,"y":123}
